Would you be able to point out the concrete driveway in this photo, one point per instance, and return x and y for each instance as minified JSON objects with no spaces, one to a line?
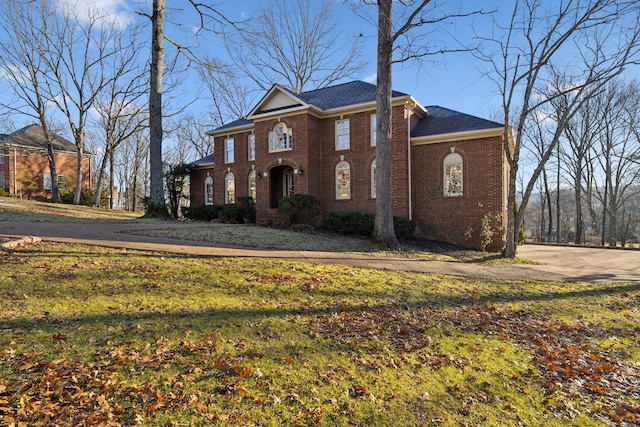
{"x":585,"y":263}
{"x":556,"y":263}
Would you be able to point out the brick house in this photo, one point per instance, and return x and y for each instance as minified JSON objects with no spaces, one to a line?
{"x":24,"y":167}
{"x":448,"y":168}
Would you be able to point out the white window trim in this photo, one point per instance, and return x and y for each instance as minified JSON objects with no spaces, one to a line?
{"x":341,"y":167}
{"x":452,"y":160}
{"x":208,"y":195}
{"x":229,"y":177}
{"x":251,"y":147}
{"x":229,"y":155}
{"x":374,"y":130}
{"x":275,"y":138}
{"x":47,"y":184}
{"x":373,"y":179}
{"x":2,"y":179}
{"x":347,"y":134}
{"x":252,"y":184}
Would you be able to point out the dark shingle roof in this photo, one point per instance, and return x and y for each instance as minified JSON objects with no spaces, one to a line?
{"x":342,"y":95}
{"x":236,"y":123}
{"x":205,"y":161}
{"x":443,"y":120}
{"x":32,"y":136}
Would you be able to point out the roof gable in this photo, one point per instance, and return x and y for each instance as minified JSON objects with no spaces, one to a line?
{"x":276,"y":99}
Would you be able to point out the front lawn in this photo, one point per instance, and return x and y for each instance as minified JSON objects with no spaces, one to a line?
{"x":97,"y":336}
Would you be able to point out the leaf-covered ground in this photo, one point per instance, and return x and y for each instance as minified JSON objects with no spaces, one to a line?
{"x":93,"y":336}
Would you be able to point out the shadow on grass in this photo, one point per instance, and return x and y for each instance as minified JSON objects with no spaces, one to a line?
{"x":217,"y":317}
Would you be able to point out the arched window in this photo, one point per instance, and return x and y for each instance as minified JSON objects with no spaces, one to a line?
{"x":280,"y":138}
{"x":208,"y":191}
{"x":229,"y":188}
{"x":452,"y":166}
{"x":252,"y":185}
{"x":373,"y":179}
{"x":343,"y":180}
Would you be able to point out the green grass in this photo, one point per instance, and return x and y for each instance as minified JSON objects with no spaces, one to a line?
{"x":97,"y":336}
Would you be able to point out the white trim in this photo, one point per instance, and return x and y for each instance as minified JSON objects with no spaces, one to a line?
{"x":457,"y":136}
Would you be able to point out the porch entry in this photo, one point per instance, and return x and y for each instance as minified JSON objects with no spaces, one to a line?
{"x":280,"y":184}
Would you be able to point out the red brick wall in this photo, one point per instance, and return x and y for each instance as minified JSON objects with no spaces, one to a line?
{"x":458,"y":219}
{"x":196,"y":185}
{"x":31,"y":165}
{"x":359,"y":156}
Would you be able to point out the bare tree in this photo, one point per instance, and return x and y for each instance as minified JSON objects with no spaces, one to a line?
{"x":531,"y":66}
{"x":230,"y":97}
{"x":295,"y":42}
{"x":618,"y":151}
{"x":23,"y":67}
{"x":580,"y":134}
{"x":414,"y":14}
{"x":121,"y":112}
{"x":76,"y":55}
{"x":156,"y":205}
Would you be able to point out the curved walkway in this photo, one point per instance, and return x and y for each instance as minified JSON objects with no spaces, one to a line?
{"x":556,"y":263}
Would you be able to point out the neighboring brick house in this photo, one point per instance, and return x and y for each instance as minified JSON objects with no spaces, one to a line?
{"x":24,"y":167}
{"x":448,"y":168}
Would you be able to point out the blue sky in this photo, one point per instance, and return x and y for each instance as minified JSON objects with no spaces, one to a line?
{"x":451,"y":80}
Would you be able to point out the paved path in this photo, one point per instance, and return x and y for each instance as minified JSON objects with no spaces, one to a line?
{"x":555,"y":262}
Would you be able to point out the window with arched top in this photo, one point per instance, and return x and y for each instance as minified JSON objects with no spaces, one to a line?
{"x":452,"y":168}
{"x":252,"y":185}
{"x":208,"y":191}
{"x":343,"y":180}
{"x":229,"y":188}
{"x":280,"y":138}
{"x":373,"y":179}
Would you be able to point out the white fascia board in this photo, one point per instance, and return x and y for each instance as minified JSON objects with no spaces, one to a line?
{"x":457,"y":136}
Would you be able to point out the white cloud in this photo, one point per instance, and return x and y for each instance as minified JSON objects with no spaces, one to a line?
{"x":116,"y":11}
{"x":14,"y":74}
{"x":373,"y":78}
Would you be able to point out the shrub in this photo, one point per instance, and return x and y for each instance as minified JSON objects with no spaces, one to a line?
{"x":4,"y":193}
{"x":404,"y":227}
{"x":248,"y":209}
{"x":351,"y":224}
{"x":86,"y":197}
{"x":231,"y":214}
{"x":361,"y":224}
{"x":202,"y":212}
{"x":298,"y":209}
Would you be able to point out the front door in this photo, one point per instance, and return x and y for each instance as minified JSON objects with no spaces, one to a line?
{"x":281,"y":184}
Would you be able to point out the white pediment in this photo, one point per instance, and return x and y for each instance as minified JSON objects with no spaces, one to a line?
{"x":277,"y":99}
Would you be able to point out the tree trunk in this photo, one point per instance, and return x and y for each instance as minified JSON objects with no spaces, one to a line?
{"x":547,"y":193}
{"x":578,"y":238}
{"x":55,"y":191}
{"x":157,"y":205}
{"x":103,"y":166}
{"x":383,"y":231}
{"x":80,"y":142}
{"x":112,"y":178}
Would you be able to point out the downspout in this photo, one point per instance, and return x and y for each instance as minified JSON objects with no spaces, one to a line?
{"x":409,"y":172}
{"x":15,"y":172}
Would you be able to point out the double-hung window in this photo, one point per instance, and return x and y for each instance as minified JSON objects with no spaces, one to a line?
{"x":229,"y":150}
{"x":251,"y":146}
{"x":343,"y":138}
{"x":374,"y":130}
{"x":46,"y":178}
